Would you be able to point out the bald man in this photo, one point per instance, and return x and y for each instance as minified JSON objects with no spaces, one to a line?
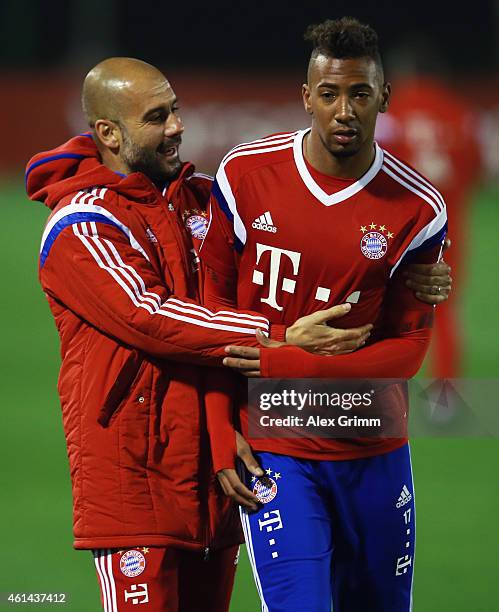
{"x":132,"y":111}
{"x":120,"y":273}
{"x":118,"y":265}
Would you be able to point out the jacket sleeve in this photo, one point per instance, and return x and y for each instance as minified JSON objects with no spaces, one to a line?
{"x":219,"y":261}
{"x":404,"y":339}
{"x":219,"y":403}
{"x":101,"y":273}
{"x":391,"y":358}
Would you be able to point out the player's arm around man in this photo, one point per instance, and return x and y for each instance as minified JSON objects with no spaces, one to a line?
{"x":415,"y":289}
{"x":398,"y":352}
{"x":117,"y":269}
{"x":324,"y":215}
{"x":116,"y":273}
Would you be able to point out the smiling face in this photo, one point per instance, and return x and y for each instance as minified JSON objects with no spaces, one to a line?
{"x":151,"y":132}
{"x":344,"y":97}
{"x":133,"y":113}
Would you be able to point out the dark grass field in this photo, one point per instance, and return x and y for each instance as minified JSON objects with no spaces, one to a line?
{"x":457,"y":480}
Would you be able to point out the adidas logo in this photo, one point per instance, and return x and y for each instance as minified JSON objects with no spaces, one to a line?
{"x":264,"y":222}
{"x":404,"y":497}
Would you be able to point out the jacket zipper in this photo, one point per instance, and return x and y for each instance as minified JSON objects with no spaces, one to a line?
{"x":171,"y":192}
{"x":208,"y":536}
{"x":181,"y":243}
{"x":168,"y":197}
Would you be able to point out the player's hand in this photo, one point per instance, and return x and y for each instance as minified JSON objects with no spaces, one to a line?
{"x":245,"y":359}
{"x":230,"y":481}
{"x":312,"y":333}
{"x":431,"y":283}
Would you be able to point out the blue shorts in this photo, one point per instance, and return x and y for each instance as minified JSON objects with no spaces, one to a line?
{"x":333,"y":532}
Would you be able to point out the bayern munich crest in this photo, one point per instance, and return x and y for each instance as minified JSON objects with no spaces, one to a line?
{"x":132,"y":563}
{"x":373,"y":245}
{"x":197,"y":225}
{"x":265,"y":489}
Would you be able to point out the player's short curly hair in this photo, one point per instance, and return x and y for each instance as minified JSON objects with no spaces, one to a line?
{"x":345,"y":38}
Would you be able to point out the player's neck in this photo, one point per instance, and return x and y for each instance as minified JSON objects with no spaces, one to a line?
{"x":342,"y":167}
{"x":114,"y":162}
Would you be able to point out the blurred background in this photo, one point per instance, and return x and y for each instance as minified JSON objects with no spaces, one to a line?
{"x":237,"y":70}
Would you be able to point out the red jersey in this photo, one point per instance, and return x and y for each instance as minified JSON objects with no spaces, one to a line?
{"x":429,"y":125}
{"x":299,"y":241}
{"x":436,"y":130}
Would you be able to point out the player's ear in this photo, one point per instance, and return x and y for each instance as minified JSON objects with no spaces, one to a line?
{"x":108,"y":133}
{"x":385,"y":97}
{"x":305,"y":92}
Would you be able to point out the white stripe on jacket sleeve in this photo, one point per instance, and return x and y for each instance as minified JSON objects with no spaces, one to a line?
{"x":132,"y":283}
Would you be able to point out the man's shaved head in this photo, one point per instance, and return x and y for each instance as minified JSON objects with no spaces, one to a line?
{"x":110,"y":87}
{"x":133,"y":113}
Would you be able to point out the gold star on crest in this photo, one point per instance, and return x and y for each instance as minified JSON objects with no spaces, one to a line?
{"x":194,"y":211}
{"x":381,"y":228}
{"x":145,"y":551}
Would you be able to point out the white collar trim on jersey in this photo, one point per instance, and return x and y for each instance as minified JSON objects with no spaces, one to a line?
{"x":339,"y":196}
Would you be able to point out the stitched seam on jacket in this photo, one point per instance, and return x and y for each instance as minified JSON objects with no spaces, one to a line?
{"x":80,"y":406}
{"x":148,"y":440}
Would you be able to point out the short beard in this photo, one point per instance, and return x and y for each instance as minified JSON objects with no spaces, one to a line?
{"x":145,"y":161}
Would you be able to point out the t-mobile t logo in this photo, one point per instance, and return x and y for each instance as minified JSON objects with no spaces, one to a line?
{"x":272,"y":521}
{"x":138,"y":597}
{"x":287,"y":284}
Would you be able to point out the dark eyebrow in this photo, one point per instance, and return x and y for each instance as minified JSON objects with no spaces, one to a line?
{"x":354,"y":86}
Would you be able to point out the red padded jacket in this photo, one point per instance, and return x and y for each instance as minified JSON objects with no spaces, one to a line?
{"x":118,"y":269}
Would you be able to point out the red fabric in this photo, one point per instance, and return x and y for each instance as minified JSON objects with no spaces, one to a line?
{"x":436,"y":131}
{"x":124,"y":302}
{"x":280,"y":244}
{"x":219,"y":402}
{"x":161,"y":579}
{"x":397,"y":352}
{"x":221,"y":390}
{"x":392,"y":358}
{"x":312,"y":240}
